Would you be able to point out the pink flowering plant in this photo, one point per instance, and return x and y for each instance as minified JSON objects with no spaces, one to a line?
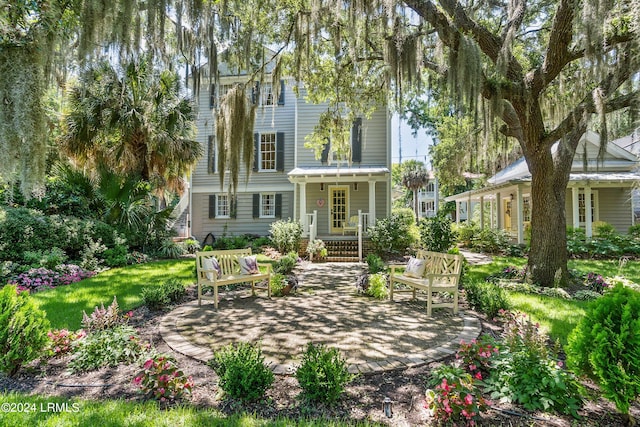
{"x":61,"y":341}
{"x":37,"y":279}
{"x":456,"y":397}
{"x":476,"y":356}
{"x":161,"y":379}
{"x":595,"y":282}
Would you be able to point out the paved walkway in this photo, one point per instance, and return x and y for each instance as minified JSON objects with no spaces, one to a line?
{"x":372,"y":335}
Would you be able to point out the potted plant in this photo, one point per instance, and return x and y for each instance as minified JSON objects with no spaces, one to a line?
{"x":316,"y":248}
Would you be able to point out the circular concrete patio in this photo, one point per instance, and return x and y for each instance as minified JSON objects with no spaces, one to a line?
{"x":372,"y":335}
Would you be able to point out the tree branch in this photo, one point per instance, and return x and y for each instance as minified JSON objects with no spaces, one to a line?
{"x":557,"y":53}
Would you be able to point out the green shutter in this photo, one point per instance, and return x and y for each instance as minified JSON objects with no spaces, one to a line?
{"x":278,"y":205}
{"x":233,"y":208}
{"x":324,"y":158}
{"x":212,"y":96}
{"x":356,"y":141}
{"x":255,"y":93}
{"x":256,"y":205}
{"x":280,"y":151}
{"x":211,"y":158}
{"x":256,"y":152}
{"x":212,"y":206}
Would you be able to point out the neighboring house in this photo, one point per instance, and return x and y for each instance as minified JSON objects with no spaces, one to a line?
{"x":429,"y":198}
{"x":605,"y":186}
{"x":287,"y":181}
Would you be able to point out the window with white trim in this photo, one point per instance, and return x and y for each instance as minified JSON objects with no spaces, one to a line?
{"x":582,"y":217}
{"x":266,"y":94}
{"x":223,"y":207}
{"x":267,"y":152}
{"x":267,"y":205}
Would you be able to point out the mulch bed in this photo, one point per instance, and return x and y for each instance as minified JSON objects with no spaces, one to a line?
{"x":362,"y":400}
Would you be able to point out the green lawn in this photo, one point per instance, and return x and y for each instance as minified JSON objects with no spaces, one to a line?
{"x":64,"y":304}
{"x":57,"y":411}
{"x":557,"y":316}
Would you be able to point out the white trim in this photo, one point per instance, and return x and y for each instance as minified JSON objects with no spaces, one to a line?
{"x":261,"y":206}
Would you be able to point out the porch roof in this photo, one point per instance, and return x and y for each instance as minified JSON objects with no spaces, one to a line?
{"x":321,"y":174}
{"x":594,"y":179}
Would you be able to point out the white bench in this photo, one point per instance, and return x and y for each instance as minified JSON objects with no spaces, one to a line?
{"x":230,"y":273}
{"x":441,"y":274}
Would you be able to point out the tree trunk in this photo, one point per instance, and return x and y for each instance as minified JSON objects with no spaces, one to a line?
{"x":548,"y":256}
{"x":415,"y":206}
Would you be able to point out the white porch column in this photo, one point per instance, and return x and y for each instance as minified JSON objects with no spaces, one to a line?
{"x":520,"y":206}
{"x":372,"y":203}
{"x":575,"y":208}
{"x":303,"y":206}
{"x":481,"y":212}
{"x":457,"y":212}
{"x":436,"y":190}
{"x":588,"y":220}
{"x":491,"y":213}
{"x":498,"y":211}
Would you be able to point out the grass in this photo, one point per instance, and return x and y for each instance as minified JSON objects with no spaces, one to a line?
{"x":556,"y":316}
{"x":64,"y":304}
{"x":58,"y":411}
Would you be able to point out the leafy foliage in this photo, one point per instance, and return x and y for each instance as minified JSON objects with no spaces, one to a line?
{"x":285,"y":264}
{"x":606,"y":343}
{"x":161,"y":379}
{"x":436,"y":233}
{"x":486,"y":297}
{"x":526,"y":372}
{"x":106,"y":347}
{"x":23,"y":329}
{"x":378,"y":286}
{"x":241,"y":370}
{"x":394,"y":234}
{"x":375,"y":264}
{"x":322,"y":374}
{"x":286,"y":235}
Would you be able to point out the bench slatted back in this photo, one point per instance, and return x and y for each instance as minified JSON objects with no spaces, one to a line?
{"x":439,"y":263}
{"x":228,"y":259}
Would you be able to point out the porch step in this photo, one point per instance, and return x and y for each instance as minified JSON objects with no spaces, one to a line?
{"x":343,"y":250}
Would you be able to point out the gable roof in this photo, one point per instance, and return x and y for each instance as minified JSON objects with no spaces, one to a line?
{"x":616,"y":159}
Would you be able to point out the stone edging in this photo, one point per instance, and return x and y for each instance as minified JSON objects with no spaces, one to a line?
{"x":471,"y":330}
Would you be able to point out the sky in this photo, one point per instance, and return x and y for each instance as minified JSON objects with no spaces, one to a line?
{"x":413,"y":147}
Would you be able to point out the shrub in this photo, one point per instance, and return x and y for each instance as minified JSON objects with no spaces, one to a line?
{"x":378,"y":286}
{"x":154,"y":297}
{"x":286,"y":235}
{"x":323,"y":374}
{"x":394,"y":234}
{"x":375,"y":264}
{"x":136,"y":257}
{"x":157,"y":297}
{"x":191,"y":246}
{"x":527,"y":373}
{"x":174,"y":289}
{"x":61,"y":341}
{"x":104,"y":318}
{"x":170,"y":249}
{"x":486,"y":297}
{"x":116,"y":256}
{"x":586,"y":295}
{"x":47,"y":259}
{"x":436,"y":233}
{"x":606,"y":343}
{"x":286,"y":264}
{"x":106,"y":347}
{"x":161,"y":379}
{"x":241,"y":370}
{"x":277,"y":282}
{"x":491,"y":240}
{"x":23,"y":329}
{"x":456,"y":397}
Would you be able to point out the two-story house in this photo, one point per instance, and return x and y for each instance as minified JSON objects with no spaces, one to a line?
{"x":286,"y":180}
{"x":599,"y":190}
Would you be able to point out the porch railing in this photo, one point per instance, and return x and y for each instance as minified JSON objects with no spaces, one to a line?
{"x":311,"y":225}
